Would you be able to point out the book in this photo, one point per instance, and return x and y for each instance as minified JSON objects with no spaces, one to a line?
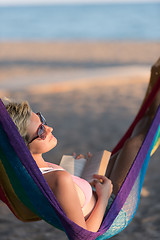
{"x":85,"y":168}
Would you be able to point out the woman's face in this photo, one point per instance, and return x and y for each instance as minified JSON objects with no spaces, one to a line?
{"x":38,"y":145}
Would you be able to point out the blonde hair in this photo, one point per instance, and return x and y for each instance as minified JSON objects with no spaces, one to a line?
{"x":20,"y":113}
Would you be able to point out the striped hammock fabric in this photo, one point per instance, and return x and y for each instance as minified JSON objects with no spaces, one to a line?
{"x":25,"y":191}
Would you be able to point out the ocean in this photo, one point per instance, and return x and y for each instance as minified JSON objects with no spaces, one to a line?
{"x":98,"y":22}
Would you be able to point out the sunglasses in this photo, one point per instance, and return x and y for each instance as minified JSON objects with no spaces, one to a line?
{"x":41,"y":131}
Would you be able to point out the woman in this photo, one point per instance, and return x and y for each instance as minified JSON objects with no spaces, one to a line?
{"x":80,"y":203}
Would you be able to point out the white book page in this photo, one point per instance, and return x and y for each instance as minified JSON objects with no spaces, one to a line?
{"x":67,"y":162}
{"x":92,"y":166}
{"x":97,"y":164}
{"x":88,"y":172}
{"x":79,"y":166}
{"x":72,"y":165}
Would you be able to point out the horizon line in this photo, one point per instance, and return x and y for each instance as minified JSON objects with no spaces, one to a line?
{"x":58,"y":2}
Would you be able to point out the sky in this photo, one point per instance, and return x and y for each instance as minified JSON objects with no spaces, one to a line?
{"x":21,"y":2}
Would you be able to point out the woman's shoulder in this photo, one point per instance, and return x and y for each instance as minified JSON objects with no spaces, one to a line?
{"x":61,"y":175}
{"x":58,"y":178}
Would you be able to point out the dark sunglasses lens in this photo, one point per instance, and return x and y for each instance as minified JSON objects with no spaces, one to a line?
{"x":42,"y":132}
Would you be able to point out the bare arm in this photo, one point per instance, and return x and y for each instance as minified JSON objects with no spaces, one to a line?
{"x":63,"y":187}
{"x":104,"y":189}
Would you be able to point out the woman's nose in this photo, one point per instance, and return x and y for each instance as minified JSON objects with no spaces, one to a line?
{"x":49,"y":129}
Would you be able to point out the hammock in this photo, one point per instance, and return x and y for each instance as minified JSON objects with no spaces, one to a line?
{"x":27,"y":194}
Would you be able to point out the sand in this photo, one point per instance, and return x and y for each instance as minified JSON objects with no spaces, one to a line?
{"x":89,"y":93}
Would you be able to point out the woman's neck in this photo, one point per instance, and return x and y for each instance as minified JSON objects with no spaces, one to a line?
{"x":39,"y":160}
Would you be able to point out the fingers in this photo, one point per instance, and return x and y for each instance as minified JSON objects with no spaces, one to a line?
{"x":99,"y":178}
{"x":89,"y":154}
{"x":74,"y":154}
{"x":79,"y":156}
{"x":102,"y":186}
{"x":102,"y":179}
{"x":95,"y":182}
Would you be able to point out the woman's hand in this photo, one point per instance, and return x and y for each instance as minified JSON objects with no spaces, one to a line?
{"x":79,"y":156}
{"x":103,"y":186}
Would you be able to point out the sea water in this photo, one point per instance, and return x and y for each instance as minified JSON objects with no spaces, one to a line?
{"x":134,"y":21}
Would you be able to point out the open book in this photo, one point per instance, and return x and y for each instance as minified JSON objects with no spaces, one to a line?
{"x":85,"y":168}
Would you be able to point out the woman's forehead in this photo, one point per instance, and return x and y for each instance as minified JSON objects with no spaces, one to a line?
{"x":34,"y":117}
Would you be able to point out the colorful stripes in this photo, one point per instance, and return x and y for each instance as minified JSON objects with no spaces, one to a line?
{"x":157,"y":142}
{"x":141,"y":161}
{"x":8,"y":195}
{"x":22,"y":195}
{"x":25,"y":191}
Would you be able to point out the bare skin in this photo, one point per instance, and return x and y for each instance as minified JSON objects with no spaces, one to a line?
{"x":145,"y":123}
{"x":63,"y":186}
{"x":121,"y":162}
{"x":155,"y":73}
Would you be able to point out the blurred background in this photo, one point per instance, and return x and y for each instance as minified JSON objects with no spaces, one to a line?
{"x":85,"y":65}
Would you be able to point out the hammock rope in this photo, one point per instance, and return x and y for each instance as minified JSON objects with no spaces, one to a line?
{"x":25,"y":191}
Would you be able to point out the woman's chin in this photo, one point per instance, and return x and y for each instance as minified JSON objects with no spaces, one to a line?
{"x":54,"y":142}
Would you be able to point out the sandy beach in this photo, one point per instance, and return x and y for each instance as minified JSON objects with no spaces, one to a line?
{"x":89,"y":92}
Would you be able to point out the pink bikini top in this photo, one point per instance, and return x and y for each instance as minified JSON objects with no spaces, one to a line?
{"x":81,"y":183}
